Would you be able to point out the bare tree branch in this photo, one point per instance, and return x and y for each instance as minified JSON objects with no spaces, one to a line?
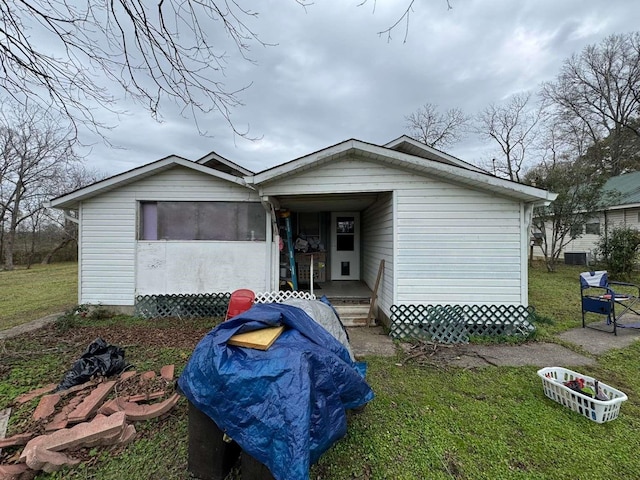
{"x":513,"y":127}
{"x":437,"y":129}
{"x":402,"y":19}
{"x":601,"y":87}
{"x":58,"y":51}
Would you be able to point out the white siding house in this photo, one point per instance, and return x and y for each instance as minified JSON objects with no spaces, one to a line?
{"x":624,"y":211}
{"x":449,"y":233}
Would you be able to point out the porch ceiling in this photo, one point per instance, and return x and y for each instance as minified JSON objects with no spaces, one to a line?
{"x":327,"y":203}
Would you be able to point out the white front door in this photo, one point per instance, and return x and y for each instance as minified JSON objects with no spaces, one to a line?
{"x":345,"y":246}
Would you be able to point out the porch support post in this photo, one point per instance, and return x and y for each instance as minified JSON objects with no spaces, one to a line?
{"x":526,"y":215}
{"x":269,"y":204}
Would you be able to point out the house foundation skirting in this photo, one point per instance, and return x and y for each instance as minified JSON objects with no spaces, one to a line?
{"x":204,"y":305}
{"x":457,"y":323}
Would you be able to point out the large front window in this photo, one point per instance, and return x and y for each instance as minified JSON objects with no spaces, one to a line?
{"x":228,"y":221}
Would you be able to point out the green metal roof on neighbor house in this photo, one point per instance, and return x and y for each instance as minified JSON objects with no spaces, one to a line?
{"x":628,"y":186}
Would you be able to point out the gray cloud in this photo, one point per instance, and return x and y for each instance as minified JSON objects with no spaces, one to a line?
{"x":331,"y":77}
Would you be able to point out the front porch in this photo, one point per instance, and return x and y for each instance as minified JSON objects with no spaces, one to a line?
{"x":339,"y":240}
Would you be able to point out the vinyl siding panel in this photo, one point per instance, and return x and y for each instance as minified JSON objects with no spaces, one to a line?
{"x":109,"y":225}
{"x":457,"y":246}
{"x":377,"y":244}
{"x":627,"y":216}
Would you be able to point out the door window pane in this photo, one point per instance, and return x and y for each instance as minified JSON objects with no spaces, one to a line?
{"x":345,"y":243}
{"x":345,"y":225}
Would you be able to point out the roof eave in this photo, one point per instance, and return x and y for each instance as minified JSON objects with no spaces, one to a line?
{"x":71,"y":200}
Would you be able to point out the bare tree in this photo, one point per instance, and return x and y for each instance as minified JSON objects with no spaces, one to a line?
{"x":60,"y":51}
{"x":75,"y":176}
{"x":512,"y":126}
{"x":437,"y":129}
{"x":600,"y":87}
{"x":35,"y":149}
{"x":562,"y":144}
{"x":67,"y":53}
{"x":580,"y":196}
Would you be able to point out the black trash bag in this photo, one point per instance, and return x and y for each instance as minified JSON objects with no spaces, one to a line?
{"x":99,"y":358}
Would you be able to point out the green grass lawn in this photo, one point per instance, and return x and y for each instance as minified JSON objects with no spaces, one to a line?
{"x":424,"y":423}
{"x":557,"y":295}
{"x":28,"y":294}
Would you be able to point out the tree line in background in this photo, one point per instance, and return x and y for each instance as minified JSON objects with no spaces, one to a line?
{"x":37,"y":163}
{"x":569,"y":137}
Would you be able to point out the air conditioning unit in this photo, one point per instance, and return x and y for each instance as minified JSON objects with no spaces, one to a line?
{"x":576,"y":258}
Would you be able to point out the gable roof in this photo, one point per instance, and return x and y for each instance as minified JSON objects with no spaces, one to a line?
{"x":69,"y":200}
{"x":628,"y":187}
{"x":413,"y":147}
{"x":213,"y":160}
{"x":445,"y":170}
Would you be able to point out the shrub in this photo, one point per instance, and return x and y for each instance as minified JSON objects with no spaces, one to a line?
{"x":618,"y":248}
{"x":71,"y":318}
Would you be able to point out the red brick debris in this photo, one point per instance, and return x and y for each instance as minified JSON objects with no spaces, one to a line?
{"x":102,"y":411}
{"x":27,"y":397}
{"x":46,"y":407}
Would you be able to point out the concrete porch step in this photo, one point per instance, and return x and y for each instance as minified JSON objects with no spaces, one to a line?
{"x":353,"y":315}
{"x":347,"y":301}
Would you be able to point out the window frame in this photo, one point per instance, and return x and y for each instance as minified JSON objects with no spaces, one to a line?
{"x":591,"y":224}
{"x":250,"y":221}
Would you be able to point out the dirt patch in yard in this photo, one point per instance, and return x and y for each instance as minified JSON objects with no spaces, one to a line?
{"x":538,"y":354}
{"x":183,"y":335}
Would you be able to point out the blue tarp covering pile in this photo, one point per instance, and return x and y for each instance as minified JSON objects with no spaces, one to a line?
{"x":284,"y":406}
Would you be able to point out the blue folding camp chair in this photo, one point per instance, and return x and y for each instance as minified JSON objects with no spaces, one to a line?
{"x":598,"y":296}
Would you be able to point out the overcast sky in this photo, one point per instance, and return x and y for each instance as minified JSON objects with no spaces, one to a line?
{"x":331,"y":77}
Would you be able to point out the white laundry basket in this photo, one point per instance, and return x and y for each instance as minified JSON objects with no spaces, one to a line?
{"x":600,"y":411}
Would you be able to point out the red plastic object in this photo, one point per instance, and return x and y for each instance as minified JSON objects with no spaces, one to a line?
{"x":241,"y":300}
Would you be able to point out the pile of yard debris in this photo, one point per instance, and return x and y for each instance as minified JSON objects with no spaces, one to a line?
{"x":99,"y":412}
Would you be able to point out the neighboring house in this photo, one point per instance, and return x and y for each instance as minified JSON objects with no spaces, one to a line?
{"x":449,"y":232}
{"x":624,"y":211}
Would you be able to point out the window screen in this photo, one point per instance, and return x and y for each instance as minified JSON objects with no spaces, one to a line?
{"x":230,"y":221}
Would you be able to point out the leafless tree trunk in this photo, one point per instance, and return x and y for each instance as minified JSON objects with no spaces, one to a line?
{"x":437,"y":129}
{"x":69,"y":235}
{"x":512,"y":126}
{"x":36,"y":149}
{"x":76,"y":176}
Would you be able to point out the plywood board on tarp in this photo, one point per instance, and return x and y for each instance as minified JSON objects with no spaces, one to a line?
{"x":259,"y":339}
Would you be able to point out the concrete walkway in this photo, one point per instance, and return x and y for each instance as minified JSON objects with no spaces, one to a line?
{"x":590,"y":341}
{"x":29,"y":327}
{"x":597,"y":339}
